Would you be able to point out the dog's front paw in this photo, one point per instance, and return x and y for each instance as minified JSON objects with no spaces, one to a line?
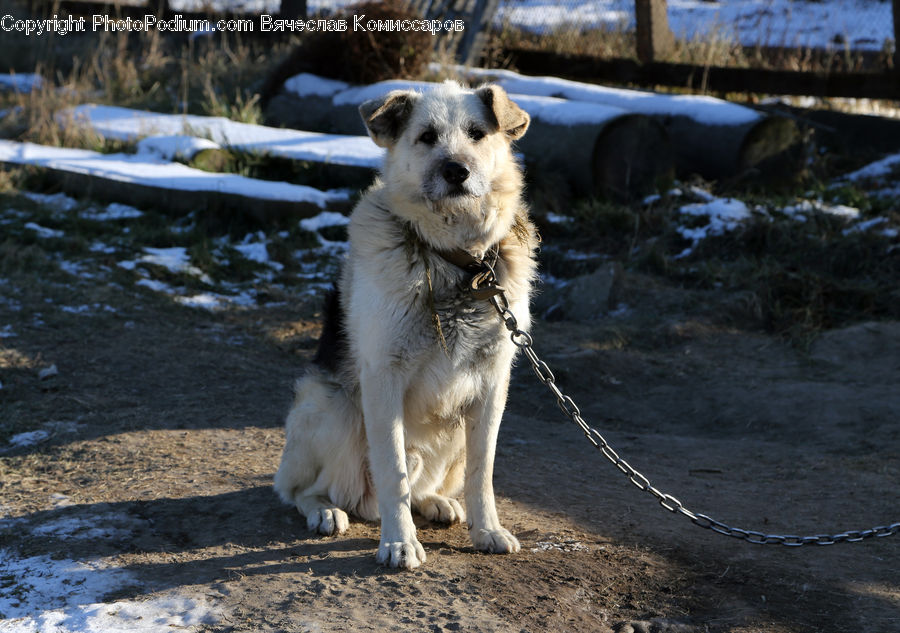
{"x":498,"y":541}
{"x":406,"y":554}
{"x":441,"y":509}
{"x":328,"y":521}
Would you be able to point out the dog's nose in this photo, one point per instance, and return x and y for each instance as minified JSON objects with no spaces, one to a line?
{"x":454,"y":173}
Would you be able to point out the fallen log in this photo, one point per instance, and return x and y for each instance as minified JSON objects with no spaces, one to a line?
{"x":171,"y":187}
{"x":711,"y":137}
{"x":599,"y":149}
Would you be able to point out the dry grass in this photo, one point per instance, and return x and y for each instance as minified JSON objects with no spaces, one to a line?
{"x":719,"y":47}
{"x":218,"y":75}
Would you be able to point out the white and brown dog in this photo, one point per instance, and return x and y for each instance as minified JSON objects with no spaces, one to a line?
{"x":404,"y":398}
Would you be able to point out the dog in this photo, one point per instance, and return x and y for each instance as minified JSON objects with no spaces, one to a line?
{"x":401,"y":407}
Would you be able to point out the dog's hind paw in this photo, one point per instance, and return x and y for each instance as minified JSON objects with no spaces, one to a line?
{"x":407,"y":555}
{"x":498,"y":541}
{"x":328,"y":521}
{"x":441,"y":509}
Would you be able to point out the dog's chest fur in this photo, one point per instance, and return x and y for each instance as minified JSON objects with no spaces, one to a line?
{"x":387,"y":308}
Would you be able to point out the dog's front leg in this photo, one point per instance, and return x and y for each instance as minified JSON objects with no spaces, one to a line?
{"x":482,"y":428}
{"x":382,"y":398}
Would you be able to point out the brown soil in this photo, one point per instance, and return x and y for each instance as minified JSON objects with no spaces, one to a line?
{"x":179,"y":416}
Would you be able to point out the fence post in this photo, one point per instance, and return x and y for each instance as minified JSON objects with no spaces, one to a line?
{"x":158,"y":7}
{"x":896,"y":4}
{"x":654,"y":38}
{"x":293,"y":9}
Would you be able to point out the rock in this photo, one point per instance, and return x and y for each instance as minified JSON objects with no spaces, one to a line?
{"x":585,"y":298}
{"x":48,"y":372}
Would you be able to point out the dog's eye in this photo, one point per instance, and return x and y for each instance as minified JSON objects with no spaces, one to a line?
{"x":429,"y":137}
{"x":476,"y":133}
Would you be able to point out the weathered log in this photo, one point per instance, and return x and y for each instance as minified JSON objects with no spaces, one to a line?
{"x":321,"y":175}
{"x":622,"y":157}
{"x":717,"y":151}
{"x":633,"y":157}
{"x":711,"y":137}
{"x":170,"y":187}
{"x":599,"y":149}
{"x":179,"y":202}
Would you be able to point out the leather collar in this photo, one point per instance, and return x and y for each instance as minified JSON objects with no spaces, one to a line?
{"x":468,"y":262}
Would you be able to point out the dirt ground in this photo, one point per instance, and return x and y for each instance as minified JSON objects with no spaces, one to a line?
{"x":171,"y":417}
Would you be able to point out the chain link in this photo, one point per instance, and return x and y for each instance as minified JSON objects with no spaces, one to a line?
{"x":524,"y":342}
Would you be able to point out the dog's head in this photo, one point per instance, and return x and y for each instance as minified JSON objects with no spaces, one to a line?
{"x":448,"y":150}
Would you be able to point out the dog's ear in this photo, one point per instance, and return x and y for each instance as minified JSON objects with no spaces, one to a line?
{"x":508,"y":117}
{"x":386,"y":116}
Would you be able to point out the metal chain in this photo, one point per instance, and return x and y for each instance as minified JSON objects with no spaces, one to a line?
{"x":523,"y":341}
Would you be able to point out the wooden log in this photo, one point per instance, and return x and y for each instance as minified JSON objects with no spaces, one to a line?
{"x":711,"y":137}
{"x":575,"y":139}
{"x":623,"y":157}
{"x":632,"y":157}
{"x":268,"y":167}
{"x":169,"y":187}
{"x":178,"y":202}
{"x":726,"y":151}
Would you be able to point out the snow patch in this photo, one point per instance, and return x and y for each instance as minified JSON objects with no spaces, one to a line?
{"x":357,"y":94}
{"x":878,"y":169}
{"x":174,"y":147}
{"x":556,"y":218}
{"x":114,"y":211}
{"x":801,"y":210}
{"x":28,"y":438}
{"x":308,"y":85}
{"x":707,"y":110}
{"x":67,"y":596}
{"x":559,"y":546}
{"x":43,"y":232}
{"x":866,"y":225}
{"x":254,"y":248}
{"x":24,"y":82}
{"x":324,"y":219}
{"x":723,"y":214}
{"x":175,"y":259}
{"x":87,"y":309}
{"x":108,"y":526}
{"x":57,"y":202}
{"x":206,"y":300}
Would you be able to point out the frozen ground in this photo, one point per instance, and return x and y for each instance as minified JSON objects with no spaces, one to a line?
{"x":137,"y":495}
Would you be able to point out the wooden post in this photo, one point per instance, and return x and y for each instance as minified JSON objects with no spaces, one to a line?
{"x":158,"y":7}
{"x":478,"y":27}
{"x":896,"y":36}
{"x":654,"y":38}
{"x":293,"y":9}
